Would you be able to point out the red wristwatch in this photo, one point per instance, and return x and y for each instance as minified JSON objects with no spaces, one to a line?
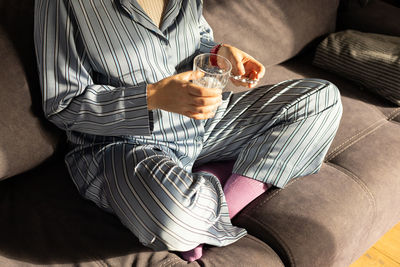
{"x":214,"y":51}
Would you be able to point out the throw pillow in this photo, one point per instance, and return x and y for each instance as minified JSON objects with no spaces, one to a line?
{"x":372,"y":60}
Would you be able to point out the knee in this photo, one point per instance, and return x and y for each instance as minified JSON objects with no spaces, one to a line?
{"x":331,"y":89}
{"x":328,"y":102}
{"x":320,"y":96}
{"x":333,"y":98}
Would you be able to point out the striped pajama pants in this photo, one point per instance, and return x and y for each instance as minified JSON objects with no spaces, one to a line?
{"x":274,"y":133}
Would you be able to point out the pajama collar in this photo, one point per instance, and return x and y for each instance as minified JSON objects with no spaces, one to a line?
{"x":136,"y":12}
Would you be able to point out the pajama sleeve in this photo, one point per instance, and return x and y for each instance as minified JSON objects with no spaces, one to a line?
{"x":206,"y":33}
{"x":70,"y":97}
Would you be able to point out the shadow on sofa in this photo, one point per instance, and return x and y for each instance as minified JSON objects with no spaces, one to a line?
{"x":48,"y":222}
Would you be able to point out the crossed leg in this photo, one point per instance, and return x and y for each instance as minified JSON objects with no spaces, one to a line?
{"x":274,"y":134}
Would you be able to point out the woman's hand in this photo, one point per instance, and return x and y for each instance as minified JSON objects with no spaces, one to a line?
{"x":177,"y":94}
{"x":242,"y":64}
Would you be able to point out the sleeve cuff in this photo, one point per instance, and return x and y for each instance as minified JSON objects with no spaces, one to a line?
{"x":206,"y":45}
{"x":118,"y":112}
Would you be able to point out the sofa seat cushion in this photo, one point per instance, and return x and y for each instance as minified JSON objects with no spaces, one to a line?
{"x":374,"y":159}
{"x":307,"y":222}
{"x":45,"y":221}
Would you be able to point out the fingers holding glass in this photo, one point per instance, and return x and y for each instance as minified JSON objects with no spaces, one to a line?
{"x":216,"y":70}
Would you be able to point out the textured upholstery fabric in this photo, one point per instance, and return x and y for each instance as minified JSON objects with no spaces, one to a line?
{"x":302,"y":212}
{"x":24,"y":141}
{"x":372,"y":60}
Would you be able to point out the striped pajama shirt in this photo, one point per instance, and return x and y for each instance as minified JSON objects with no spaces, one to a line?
{"x":95,"y":58}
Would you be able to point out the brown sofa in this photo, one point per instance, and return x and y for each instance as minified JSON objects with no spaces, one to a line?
{"x":327,"y":219}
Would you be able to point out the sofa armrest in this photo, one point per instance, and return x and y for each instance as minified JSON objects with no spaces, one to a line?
{"x":25,"y":139}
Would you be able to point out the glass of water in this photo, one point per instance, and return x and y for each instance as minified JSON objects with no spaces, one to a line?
{"x":216,"y":70}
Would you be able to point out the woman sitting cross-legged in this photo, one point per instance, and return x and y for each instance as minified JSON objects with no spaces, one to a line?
{"x":144,"y":138}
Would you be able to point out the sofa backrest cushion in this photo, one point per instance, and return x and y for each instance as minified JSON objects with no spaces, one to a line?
{"x":25,"y":138}
{"x":272,"y":31}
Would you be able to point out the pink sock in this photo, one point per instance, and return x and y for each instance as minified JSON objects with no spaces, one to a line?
{"x":240,"y":191}
{"x":193,"y":254}
{"x":222,"y":170}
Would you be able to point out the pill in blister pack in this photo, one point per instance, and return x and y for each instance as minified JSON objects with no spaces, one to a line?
{"x":243,"y":79}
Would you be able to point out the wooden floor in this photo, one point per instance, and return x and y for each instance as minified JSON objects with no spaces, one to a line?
{"x":385,"y":252}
